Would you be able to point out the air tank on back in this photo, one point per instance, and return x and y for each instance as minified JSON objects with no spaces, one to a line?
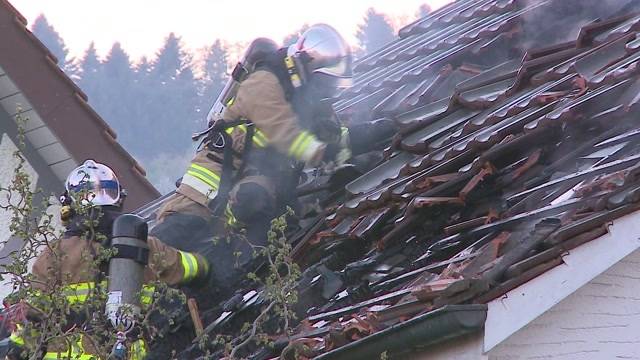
{"x":257,"y":51}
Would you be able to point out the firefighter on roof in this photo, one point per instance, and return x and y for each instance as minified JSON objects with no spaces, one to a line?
{"x":268,"y":122}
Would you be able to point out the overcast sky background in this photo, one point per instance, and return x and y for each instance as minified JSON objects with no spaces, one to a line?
{"x":142,"y":25}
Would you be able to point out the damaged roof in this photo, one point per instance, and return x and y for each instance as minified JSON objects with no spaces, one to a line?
{"x":518,"y":142}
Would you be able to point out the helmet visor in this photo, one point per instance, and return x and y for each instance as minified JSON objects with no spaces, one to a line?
{"x":327,"y":77}
{"x":328,"y":86}
{"x":103,"y":192}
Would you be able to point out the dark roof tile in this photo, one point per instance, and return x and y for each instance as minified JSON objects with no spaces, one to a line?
{"x":598,"y":60}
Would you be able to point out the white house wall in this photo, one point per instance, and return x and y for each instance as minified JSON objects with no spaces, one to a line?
{"x":8,"y":162}
{"x":43,"y":164}
{"x":601,"y":320}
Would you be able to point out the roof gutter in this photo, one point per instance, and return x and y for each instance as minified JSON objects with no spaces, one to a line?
{"x":443,"y":324}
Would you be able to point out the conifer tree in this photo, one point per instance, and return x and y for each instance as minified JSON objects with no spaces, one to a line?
{"x":172,"y":114}
{"x":215,"y":75}
{"x":375,"y":31}
{"x":90,"y":69}
{"x":116,"y":98}
{"x":48,"y":35}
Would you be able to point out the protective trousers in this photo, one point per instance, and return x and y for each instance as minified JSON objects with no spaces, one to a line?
{"x":188,"y":226}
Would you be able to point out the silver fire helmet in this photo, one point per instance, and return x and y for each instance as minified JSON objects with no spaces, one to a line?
{"x":322,"y":55}
{"x":94,"y":184}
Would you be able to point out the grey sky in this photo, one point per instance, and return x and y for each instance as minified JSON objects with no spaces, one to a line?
{"x":142,"y":25}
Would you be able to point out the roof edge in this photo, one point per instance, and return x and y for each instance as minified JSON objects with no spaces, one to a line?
{"x":434,"y":327}
{"x":517,"y":308}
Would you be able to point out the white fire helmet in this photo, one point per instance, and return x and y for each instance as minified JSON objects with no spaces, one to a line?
{"x":93,"y":183}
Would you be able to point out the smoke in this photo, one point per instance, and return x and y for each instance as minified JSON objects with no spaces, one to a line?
{"x":560,"y":21}
{"x":164,"y":169}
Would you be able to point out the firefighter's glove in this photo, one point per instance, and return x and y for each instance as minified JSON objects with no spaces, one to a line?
{"x":335,"y":153}
{"x":368,"y":136}
{"x":203,"y":271}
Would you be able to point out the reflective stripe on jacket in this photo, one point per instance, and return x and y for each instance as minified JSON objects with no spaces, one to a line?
{"x":259,"y":139}
{"x":201,"y":186}
{"x":205,"y":181}
{"x":192,"y":267}
{"x":79,"y":293}
{"x":137,"y":351}
{"x":165,"y":264}
{"x":76,"y":351}
{"x":262,"y":100}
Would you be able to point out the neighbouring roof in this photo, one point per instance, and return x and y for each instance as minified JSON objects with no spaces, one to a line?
{"x":518,"y":142}
{"x":62,"y":126}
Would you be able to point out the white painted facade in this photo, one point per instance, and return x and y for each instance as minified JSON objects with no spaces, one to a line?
{"x":46,"y":163}
{"x":8,"y":162}
{"x":599,"y":321}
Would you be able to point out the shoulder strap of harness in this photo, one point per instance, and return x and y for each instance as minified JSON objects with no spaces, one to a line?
{"x":227,"y":179}
{"x":275,"y":63}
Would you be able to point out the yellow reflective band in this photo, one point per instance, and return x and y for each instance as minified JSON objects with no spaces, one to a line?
{"x":146,"y":295}
{"x":205,"y":170}
{"x":295,"y":79}
{"x":259,"y":139}
{"x":293,"y":149}
{"x":204,"y":179}
{"x":215,"y":178}
{"x":231,"y":219}
{"x":78,"y":293}
{"x":200,"y":186}
{"x":300,"y":144}
{"x":231,"y":101}
{"x":304,"y":146}
{"x":16,"y":339}
{"x":76,"y":352}
{"x":291,"y":69}
{"x":138,"y":350}
{"x":190,"y":266}
{"x":66,"y":355}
